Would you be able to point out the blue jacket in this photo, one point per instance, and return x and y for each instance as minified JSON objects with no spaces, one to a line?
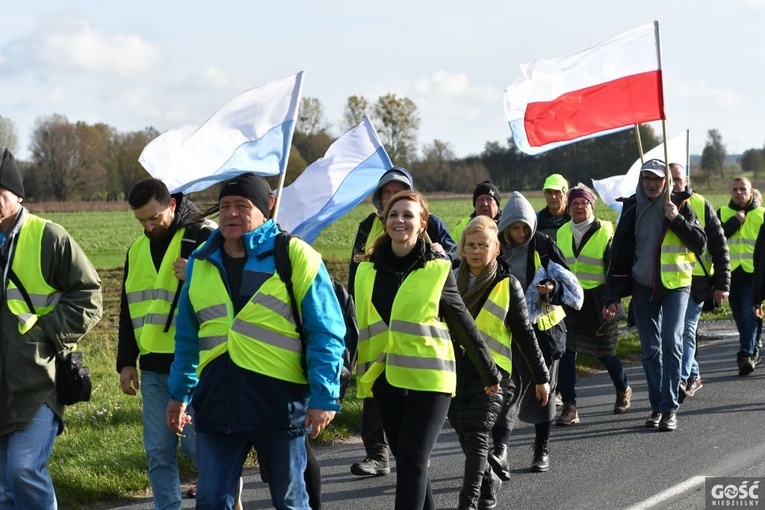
{"x":232,"y":399}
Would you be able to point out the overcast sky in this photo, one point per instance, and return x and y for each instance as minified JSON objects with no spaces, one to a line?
{"x":166,"y":63}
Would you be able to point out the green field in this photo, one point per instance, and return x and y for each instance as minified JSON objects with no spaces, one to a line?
{"x":100,"y":455}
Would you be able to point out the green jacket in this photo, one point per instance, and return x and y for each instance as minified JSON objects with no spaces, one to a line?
{"x":27,"y":362}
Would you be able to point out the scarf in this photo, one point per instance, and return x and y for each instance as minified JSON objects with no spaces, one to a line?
{"x":472,"y":295}
{"x":579,"y":229}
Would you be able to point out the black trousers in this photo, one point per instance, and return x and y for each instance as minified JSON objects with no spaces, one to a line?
{"x":412,"y":421}
{"x":372,"y":432}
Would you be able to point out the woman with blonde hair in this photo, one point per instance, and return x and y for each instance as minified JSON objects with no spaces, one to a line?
{"x":495,"y":300}
{"x":409,"y":312}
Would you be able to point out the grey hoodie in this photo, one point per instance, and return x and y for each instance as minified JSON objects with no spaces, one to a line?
{"x":649,"y":219}
{"x":517,"y":208}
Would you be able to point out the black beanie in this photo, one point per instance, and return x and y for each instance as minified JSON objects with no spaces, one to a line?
{"x":250,"y":186}
{"x":10,"y":177}
{"x":486,"y":188}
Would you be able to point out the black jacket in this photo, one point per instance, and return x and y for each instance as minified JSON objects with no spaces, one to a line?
{"x":718,"y":250}
{"x":619,"y":275}
{"x":127,"y":346}
{"x":391,"y":272}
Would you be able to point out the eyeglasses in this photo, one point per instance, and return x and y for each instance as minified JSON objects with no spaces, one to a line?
{"x":476,"y":246}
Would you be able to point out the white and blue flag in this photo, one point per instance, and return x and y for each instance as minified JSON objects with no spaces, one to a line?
{"x":334,"y":184}
{"x":251,"y":133}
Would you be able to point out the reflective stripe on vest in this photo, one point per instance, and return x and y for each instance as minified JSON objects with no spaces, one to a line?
{"x":150,"y":294}
{"x":491,"y":323}
{"x":554,"y":313}
{"x":588,"y":266}
{"x":698,"y":203}
{"x":262,"y":336}
{"x":741,"y":243}
{"x":676,"y":262}
{"x":28,"y":268}
{"x":415,"y":351}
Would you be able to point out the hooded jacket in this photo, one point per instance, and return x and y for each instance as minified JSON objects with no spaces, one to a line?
{"x":619,"y":277}
{"x":27,"y":362}
{"x":521,"y":263}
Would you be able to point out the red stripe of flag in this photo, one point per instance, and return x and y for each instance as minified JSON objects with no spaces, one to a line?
{"x":610,"y":105}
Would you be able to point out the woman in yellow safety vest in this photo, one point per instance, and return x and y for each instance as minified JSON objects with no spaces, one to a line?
{"x":495,"y":299}
{"x":526,"y":251}
{"x":409,"y":311}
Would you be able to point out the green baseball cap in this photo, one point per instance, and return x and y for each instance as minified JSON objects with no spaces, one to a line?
{"x":556,"y":182}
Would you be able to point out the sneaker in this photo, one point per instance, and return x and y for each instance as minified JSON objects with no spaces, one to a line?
{"x":756,"y":358}
{"x":541,"y":462}
{"x":558,"y":399}
{"x":568,"y":416}
{"x":192,"y":492}
{"x":668,"y":422}
{"x":498,"y":462}
{"x":371,"y":467}
{"x":623,"y":401}
{"x":694,"y":385}
{"x":653,"y":421}
{"x":745,"y":364}
{"x":682,"y":392}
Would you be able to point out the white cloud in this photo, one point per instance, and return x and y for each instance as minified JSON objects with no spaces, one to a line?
{"x":699,"y":90}
{"x":71,"y":43}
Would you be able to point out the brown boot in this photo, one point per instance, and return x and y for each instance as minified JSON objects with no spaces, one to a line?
{"x":568,"y":415}
{"x":623,"y":401}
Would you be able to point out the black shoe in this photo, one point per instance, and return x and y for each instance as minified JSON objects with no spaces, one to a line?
{"x":541,"y":462}
{"x":498,"y":462}
{"x":371,"y":467}
{"x":653,"y":421}
{"x":668,"y":422}
{"x":489,"y":491}
{"x":746,"y":363}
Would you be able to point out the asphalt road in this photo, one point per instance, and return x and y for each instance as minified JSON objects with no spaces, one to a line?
{"x":606,"y":462}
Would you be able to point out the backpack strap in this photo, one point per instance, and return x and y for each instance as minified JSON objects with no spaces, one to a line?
{"x":284,"y":269}
{"x":188,"y":245}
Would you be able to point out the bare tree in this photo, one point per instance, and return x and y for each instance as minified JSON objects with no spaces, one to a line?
{"x":355,"y":109}
{"x":398,"y":122}
{"x":311,"y":117}
{"x":124,"y":170}
{"x":8,"y":135}
{"x":56,"y":154}
{"x":713,"y":155}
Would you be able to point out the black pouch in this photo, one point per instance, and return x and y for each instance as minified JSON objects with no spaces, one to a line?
{"x":73,"y":382}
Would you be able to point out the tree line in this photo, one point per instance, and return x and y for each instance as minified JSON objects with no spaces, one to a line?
{"x":81,"y":161}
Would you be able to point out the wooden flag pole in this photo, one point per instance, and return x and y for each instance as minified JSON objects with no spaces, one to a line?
{"x":667,"y":174}
{"x":278,"y":200}
{"x":639,"y":143}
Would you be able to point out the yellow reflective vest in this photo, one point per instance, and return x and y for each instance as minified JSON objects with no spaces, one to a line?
{"x":491,"y":323}
{"x":555,"y":313}
{"x":459,"y":227}
{"x":27,"y":266}
{"x":698,"y":203}
{"x":415,"y":350}
{"x":150,"y":294}
{"x":376,"y":231}
{"x":741,"y":243}
{"x":261,"y":337}
{"x":588,"y":266}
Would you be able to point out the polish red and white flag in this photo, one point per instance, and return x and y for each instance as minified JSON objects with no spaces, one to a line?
{"x":598,"y":91}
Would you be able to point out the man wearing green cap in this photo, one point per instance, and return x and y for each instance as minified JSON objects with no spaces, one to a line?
{"x":552,"y":217}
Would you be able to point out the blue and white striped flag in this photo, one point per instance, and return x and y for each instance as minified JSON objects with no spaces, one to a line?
{"x":334,"y":184}
{"x":251,"y":133}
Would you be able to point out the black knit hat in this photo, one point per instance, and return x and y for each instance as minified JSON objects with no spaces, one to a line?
{"x":10,"y":177}
{"x":250,"y":186}
{"x":486,"y":188}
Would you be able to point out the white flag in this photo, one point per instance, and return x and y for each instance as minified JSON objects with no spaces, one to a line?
{"x":251,"y":133}
{"x":334,"y":184}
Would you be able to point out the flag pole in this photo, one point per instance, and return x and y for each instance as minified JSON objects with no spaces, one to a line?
{"x":667,"y":173}
{"x":639,"y":143}
{"x":278,"y":200}
{"x":688,"y":155}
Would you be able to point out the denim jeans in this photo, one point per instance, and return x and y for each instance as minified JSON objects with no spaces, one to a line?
{"x":690,"y":367}
{"x":567,"y":375}
{"x":741,"y":303}
{"x":221,"y":456}
{"x":659,"y":323}
{"x":161,"y":443}
{"x":25,"y":482}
